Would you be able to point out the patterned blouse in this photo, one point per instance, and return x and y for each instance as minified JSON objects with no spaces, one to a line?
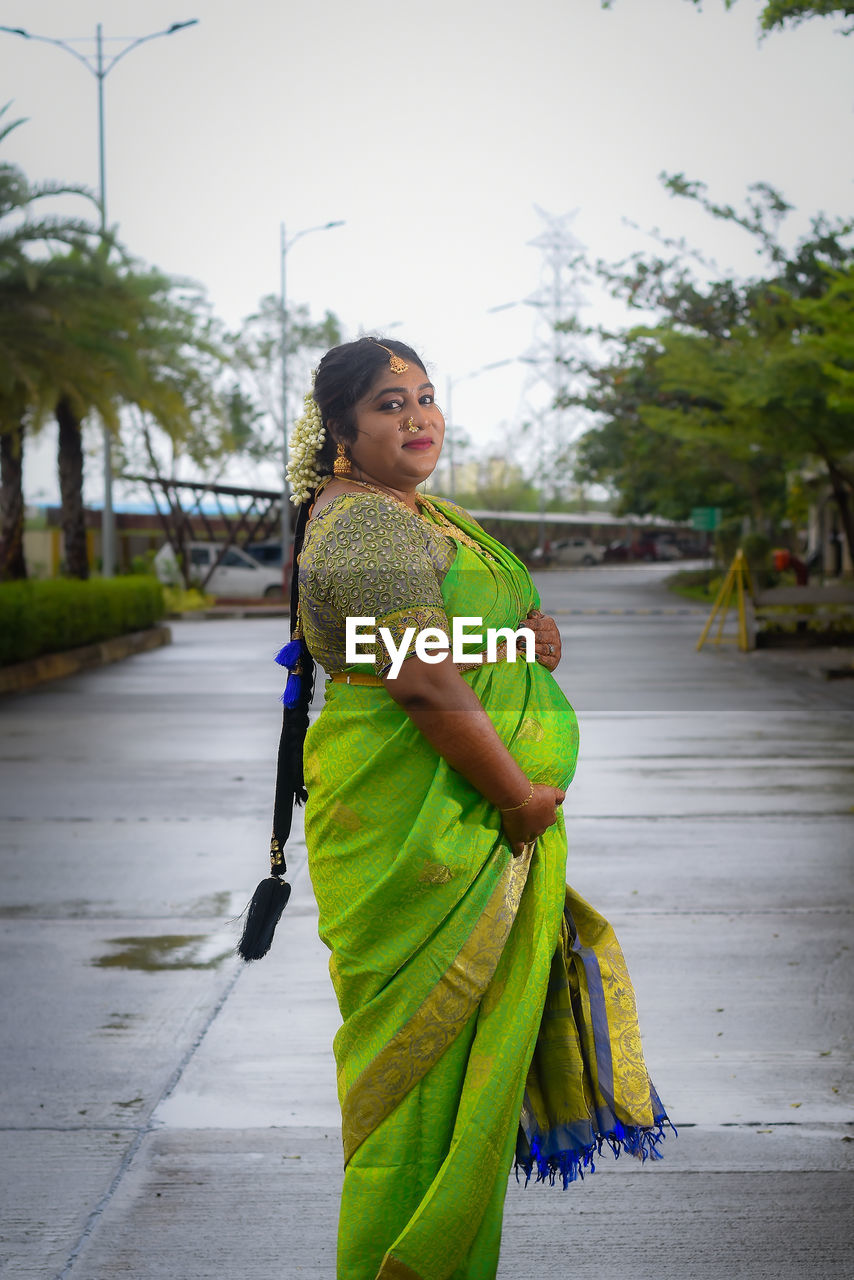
{"x":368,"y":556}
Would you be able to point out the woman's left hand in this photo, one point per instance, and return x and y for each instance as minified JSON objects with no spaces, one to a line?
{"x":547,"y":638}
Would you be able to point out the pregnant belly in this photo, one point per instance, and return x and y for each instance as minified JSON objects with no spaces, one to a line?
{"x":533,"y":717}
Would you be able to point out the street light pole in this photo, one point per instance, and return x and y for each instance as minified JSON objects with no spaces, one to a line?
{"x":286,"y":488}
{"x":100,"y":71}
{"x":108,"y":515}
{"x":285,"y":246}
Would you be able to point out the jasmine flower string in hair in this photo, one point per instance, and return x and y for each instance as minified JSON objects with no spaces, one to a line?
{"x":306,"y":440}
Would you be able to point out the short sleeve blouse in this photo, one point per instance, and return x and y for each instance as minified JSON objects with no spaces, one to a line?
{"x":368,"y":556}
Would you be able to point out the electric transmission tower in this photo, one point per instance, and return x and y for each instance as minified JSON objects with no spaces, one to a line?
{"x":555,"y":351}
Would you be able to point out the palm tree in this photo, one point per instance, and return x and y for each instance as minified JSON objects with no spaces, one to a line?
{"x":128,"y":337}
{"x":85,"y":331}
{"x":24,"y":352}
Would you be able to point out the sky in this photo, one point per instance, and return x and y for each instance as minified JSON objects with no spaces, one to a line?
{"x":434,"y":131}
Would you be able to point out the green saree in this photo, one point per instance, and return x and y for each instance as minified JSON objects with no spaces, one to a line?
{"x":486,"y":1010}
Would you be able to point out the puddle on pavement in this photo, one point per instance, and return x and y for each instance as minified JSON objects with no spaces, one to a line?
{"x":226,"y":903}
{"x":72,"y":909}
{"x":167,"y":951}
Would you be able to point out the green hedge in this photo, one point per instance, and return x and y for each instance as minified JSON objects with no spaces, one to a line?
{"x":696,"y":584}
{"x":49,"y":616}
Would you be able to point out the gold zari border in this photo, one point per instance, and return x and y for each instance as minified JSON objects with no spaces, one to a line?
{"x":422,"y":1040}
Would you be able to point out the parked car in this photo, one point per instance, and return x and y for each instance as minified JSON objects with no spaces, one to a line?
{"x":237,"y":573}
{"x":267,"y":553}
{"x":576,"y":551}
{"x":619,"y":552}
{"x":648,"y":546}
{"x":666,"y":548}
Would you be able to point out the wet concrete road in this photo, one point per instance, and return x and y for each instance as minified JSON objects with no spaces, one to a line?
{"x":168,"y":1113}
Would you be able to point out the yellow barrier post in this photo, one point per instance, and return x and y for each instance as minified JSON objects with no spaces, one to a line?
{"x":738,"y":575}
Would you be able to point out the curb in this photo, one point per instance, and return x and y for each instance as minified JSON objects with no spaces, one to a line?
{"x":233,"y":611}
{"x":55,"y":666}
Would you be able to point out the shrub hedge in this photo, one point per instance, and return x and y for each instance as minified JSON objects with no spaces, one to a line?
{"x":50,"y":616}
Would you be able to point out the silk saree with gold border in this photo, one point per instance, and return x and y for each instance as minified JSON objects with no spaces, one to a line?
{"x":486,"y":1009}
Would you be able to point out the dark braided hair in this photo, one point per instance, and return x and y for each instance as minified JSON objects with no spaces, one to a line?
{"x":290,"y":775}
{"x":344,"y":376}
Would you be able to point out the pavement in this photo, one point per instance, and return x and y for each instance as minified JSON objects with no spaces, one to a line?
{"x":171,"y":1113}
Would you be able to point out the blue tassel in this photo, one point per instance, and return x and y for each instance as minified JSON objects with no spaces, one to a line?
{"x":289,"y":654}
{"x":290,"y":697}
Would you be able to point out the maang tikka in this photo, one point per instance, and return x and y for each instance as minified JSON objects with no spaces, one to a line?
{"x":396,"y":363}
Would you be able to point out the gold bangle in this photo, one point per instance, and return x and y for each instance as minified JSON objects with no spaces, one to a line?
{"x":528,"y":798}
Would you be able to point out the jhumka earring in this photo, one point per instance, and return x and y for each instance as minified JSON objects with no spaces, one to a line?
{"x":341,"y":466}
{"x":410,"y":426}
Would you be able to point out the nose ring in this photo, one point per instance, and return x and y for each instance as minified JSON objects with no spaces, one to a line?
{"x":410,"y":426}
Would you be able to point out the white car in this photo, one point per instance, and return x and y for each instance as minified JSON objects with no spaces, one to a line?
{"x":577,"y":551}
{"x":237,"y":574}
{"x":666,"y":548}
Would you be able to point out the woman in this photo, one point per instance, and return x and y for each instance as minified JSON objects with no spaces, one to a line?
{"x":486,"y":1009}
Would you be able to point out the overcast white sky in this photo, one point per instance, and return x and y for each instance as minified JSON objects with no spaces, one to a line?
{"x":433,"y":130}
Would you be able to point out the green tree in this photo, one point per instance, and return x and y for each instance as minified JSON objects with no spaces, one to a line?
{"x":135,"y":338}
{"x":788,"y":13}
{"x":182,"y":406}
{"x":777,"y":14}
{"x":106,"y":335}
{"x":661,"y":466}
{"x":257,"y":357}
{"x":26,"y":237}
{"x":828,"y":322}
{"x":739,"y":385}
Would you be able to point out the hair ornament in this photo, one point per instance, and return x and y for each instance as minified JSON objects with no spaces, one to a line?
{"x":291,"y":656}
{"x":396,"y":363}
{"x":306,"y":441}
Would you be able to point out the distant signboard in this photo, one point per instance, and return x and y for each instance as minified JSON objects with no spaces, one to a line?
{"x":706,"y":519}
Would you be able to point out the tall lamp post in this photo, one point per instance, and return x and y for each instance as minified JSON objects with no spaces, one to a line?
{"x":285,"y":245}
{"x":100,"y":69}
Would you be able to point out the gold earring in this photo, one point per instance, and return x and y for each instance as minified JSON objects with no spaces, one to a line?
{"x":341,"y":466}
{"x":410,"y":426}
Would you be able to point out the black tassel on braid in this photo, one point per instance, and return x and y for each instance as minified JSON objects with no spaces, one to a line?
{"x":270,"y":898}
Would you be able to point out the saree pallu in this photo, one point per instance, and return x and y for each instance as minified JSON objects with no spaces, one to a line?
{"x":476,"y":990}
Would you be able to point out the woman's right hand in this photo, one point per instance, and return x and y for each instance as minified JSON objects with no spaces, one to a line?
{"x":533,"y":820}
